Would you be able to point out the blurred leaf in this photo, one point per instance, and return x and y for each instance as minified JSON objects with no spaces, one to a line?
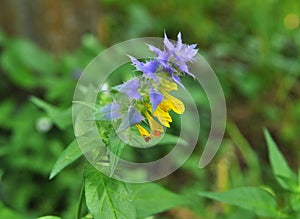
{"x":49,"y":217}
{"x":151,"y":198}
{"x":8,"y":213}
{"x":1,"y":174}
{"x":62,"y":118}
{"x":250,"y":198}
{"x":6,"y":109}
{"x":241,"y":213}
{"x":139,"y":20}
{"x":283,"y":173}
{"x":23,"y":77}
{"x":23,"y":61}
{"x":243,"y":145}
{"x":295,"y":202}
{"x":69,"y":155}
{"x":106,"y":197}
{"x":91,"y":43}
{"x":28,"y":54}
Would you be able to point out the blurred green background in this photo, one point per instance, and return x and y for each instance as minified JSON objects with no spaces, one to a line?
{"x":253,"y":46}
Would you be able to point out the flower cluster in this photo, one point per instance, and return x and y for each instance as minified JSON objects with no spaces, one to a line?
{"x":146,"y":100}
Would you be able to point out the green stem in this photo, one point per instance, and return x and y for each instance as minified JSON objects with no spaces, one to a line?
{"x":79,"y":207}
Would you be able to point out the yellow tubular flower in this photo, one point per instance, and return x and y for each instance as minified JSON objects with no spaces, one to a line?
{"x":162,"y":114}
{"x":155,"y":127}
{"x":143,"y":132}
{"x":173,"y":103}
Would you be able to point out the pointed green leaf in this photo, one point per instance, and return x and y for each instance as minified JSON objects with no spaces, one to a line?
{"x":69,"y":155}
{"x":88,"y":144}
{"x":151,"y":198}
{"x":250,"y":198}
{"x":283,"y":173}
{"x":106,"y":197}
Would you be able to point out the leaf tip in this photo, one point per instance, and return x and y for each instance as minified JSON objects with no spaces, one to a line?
{"x":266,"y":132}
{"x":52,"y":175}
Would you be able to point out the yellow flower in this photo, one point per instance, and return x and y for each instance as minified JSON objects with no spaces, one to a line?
{"x":162,"y":114}
{"x":155,"y":127}
{"x":172,"y":103}
{"x":143,"y":132}
{"x":162,"y":111}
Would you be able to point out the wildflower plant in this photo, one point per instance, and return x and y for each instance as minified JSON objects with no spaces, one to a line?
{"x":109,"y":119}
{"x":137,"y":111}
{"x":143,"y":103}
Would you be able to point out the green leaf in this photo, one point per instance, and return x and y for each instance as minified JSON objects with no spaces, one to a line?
{"x":62,"y":118}
{"x":69,"y":155}
{"x":88,"y":144}
{"x":116,"y":146}
{"x":151,"y":198}
{"x":250,"y":198}
{"x":283,"y":173}
{"x":49,"y":217}
{"x":106,"y":197}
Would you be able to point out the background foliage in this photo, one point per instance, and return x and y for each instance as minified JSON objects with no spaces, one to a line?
{"x":253,"y":46}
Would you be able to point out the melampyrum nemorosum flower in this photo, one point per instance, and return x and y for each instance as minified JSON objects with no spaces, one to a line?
{"x":146,"y":100}
{"x":174,"y":58}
